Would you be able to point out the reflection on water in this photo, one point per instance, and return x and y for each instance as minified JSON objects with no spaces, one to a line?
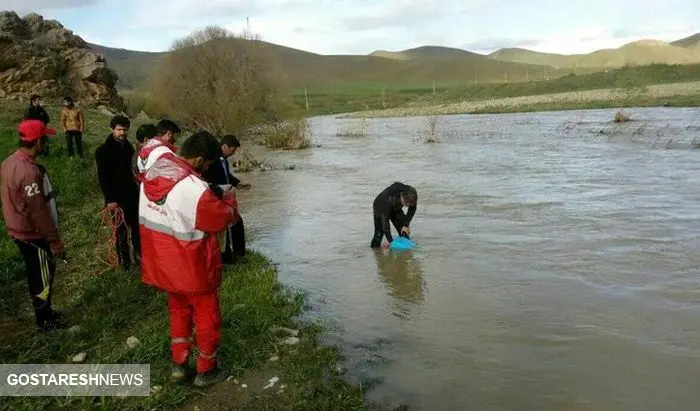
{"x":402,"y":274}
{"x":557,"y":265}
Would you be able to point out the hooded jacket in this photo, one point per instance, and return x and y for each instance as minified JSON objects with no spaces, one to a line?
{"x":151,"y":152}
{"x":179,"y":219}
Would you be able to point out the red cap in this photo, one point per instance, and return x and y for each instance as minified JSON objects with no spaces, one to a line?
{"x":32,"y":130}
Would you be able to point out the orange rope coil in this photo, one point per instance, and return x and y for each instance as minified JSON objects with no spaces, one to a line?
{"x":113,"y":219}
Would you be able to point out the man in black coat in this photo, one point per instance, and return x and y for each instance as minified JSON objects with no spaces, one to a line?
{"x":35,"y":111}
{"x":388,"y":206}
{"x":219,"y":174}
{"x":119,"y":187}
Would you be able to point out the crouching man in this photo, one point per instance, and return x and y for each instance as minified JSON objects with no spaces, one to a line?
{"x":180,"y":218}
{"x":388,"y":207}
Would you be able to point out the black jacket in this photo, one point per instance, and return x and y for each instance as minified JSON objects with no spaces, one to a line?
{"x":219,"y":173}
{"x":36,"y":113}
{"x":115,"y":174}
{"x":388,"y":204}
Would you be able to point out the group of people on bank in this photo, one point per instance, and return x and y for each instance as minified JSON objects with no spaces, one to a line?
{"x":175,"y":209}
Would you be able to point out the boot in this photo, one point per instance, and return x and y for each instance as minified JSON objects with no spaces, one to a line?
{"x":179,"y":372}
{"x":205,"y":379}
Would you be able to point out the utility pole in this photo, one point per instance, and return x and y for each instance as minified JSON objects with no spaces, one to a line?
{"x":433,"y":86}
{"x":306,"y":98}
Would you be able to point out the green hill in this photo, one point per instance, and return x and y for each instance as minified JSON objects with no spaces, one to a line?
{"x":425,"y":52}
{"x":131,"y":66}
{"x":637,"y":53}
{"x":421,"y":66}
{"x":688,"y":42}
{"x":298,"y":68}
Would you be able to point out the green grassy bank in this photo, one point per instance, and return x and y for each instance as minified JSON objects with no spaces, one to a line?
{"x":110,"y":306}
{"x":371,"y":96}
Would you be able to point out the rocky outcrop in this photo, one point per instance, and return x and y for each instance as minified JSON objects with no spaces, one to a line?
{"x":41,"y":56}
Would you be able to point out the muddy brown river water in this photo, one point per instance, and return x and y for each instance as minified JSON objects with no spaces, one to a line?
{"x":556,"y":268}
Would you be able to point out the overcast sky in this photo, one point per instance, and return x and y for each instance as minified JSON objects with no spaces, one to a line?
{"x":362,"y":26}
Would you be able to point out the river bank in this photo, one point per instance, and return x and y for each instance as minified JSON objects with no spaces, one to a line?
{"x":275,"y":360}
{"x":675,"y":94}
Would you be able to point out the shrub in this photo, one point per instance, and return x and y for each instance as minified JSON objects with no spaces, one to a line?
{"x":292,"y":134}
{"x":357,"y":128}
{"x":430,"y":134}
{"x":621,"y":117}
{"x":217,"y":81}
{"x":134,"y":101}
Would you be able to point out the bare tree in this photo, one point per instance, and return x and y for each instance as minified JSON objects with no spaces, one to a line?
{"x":217,"y":81}
{"x":431,"y":134}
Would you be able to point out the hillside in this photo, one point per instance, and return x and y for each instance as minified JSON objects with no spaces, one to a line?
{"x":630,"y":79}
{"x":637,"y":53}
{"x":298,"y":68}
{"x":132,"y":66}
{"x":424,"y":52}
{"x":422,"y":65}
{"x":688,"y":42}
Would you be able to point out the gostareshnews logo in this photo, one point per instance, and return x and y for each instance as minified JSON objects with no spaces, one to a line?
{"x":29,"y":380}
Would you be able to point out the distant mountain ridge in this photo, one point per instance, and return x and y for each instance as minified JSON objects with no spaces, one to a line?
{"x":422,"y":65}
{"x":689,"y":42}
{"x":298,"y":68}
{"x":637,"y":53}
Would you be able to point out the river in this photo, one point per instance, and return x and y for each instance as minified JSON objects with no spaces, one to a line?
{"x":556,"y":267}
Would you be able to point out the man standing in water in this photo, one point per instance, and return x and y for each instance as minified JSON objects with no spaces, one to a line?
{"x":388,"y":206}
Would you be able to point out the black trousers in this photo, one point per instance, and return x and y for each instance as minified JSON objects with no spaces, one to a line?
{"x":41,"y":267}
{"x":235,"y":243}
{"x":76,"y":135}
{"x":395,"y":218}
{"x":131,"y":225}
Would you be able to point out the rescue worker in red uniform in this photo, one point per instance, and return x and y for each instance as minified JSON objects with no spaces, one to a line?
{"x":180,"y":221}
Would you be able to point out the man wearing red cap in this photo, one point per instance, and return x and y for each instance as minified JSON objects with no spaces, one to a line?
{"x":31,"y":217}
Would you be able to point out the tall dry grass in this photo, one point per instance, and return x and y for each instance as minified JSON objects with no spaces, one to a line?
{"x":356,"y":128}
{"x":293,"y":134}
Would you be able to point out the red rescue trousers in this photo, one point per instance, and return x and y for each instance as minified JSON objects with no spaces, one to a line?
{"x":204,"y":310}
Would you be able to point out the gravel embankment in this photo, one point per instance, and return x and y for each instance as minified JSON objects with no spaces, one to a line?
{"x":516,"y":103}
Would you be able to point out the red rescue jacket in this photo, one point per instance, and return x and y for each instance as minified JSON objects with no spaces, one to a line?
{"x":179,"y":219}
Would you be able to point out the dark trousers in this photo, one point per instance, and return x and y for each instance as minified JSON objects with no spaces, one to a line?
{"x":41,"y":267}
{"x":76,"y":135}
{"x":130,"y":226}
{"x":395,"y":218}
{"x":235,"y":243}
